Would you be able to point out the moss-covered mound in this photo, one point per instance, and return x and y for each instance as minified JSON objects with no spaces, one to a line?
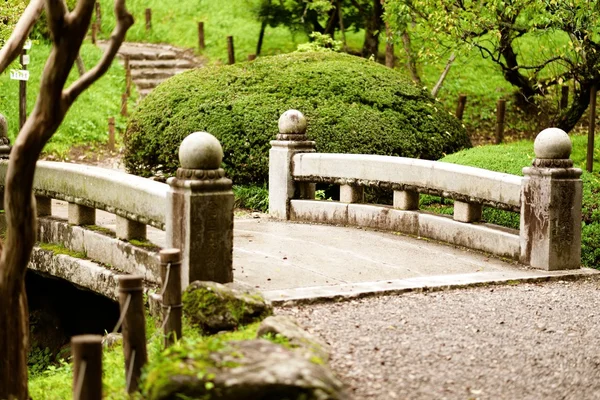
{"x":352,"y":106}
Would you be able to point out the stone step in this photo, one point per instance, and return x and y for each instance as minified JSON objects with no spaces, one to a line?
{"x":148,"y":83}
{"x":137,"y":74}
{"x":144,"y":92}
{"x":149,"y":55}
{"x":166,"y":64}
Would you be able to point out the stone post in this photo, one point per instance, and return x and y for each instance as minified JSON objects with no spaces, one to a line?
{"x":551,"y":196}
{"x":200,"y":212}
{"x":290,"y":141}
{"x":4,"y":150}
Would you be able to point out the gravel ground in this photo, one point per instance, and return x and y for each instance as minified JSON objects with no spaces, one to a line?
{"x":529,"y":341}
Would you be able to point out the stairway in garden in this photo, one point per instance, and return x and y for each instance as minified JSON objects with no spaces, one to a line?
{"x":151,"y":64}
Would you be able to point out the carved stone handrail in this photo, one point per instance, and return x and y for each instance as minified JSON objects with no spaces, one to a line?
{"x":128,"y":196}
{"x":459,"y":182}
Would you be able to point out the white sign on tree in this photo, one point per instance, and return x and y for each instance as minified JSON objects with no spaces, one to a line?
{"x":19,"y":74}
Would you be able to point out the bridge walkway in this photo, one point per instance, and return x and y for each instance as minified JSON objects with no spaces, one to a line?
{"x":294,"y":261}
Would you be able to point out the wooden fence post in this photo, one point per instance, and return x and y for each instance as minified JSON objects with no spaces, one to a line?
{"x":111,"y":133}
{"x":131,"y":300}
{"x":500,"y":113}
{"x":148,"y":19}
{"x":98,"y":16}
{"x":230,"y":50}
{"x":87,"y":367}
{"x":170,"y":272}
{"x":564,"y":97}
{"x":591,"y":131}
{"x":127,"y":74}
{"x":124,"y":104}
{"x":94,"y":29}
{"x":201,"y":43}
{"x":460,"y":108}
{"x":23,"y":93}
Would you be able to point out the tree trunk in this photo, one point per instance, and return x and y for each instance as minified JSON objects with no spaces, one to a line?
{"x":341,"y":23}
{"x":372,"y":29}
{"x":261,"y":37}
{"x":411,"y":62}
{"x":567,"y":120}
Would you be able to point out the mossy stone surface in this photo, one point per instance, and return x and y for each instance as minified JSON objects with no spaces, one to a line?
{"x":246,"y":370}
{"x":352,"y":105}
{"x":214,"y":307}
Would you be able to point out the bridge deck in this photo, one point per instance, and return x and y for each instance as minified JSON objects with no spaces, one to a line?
{"x":292,"y":261}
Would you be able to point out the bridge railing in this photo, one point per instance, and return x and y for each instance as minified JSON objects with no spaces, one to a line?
{"x":548,"y":197}
{"x":195,"y":208}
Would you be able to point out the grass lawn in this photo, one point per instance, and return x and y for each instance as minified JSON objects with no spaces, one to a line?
{"x":86,"y":122}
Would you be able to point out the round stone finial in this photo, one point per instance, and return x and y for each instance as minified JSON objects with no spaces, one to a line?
{"x":200,"y":150}
{"x":552,"y":143}
{"x":292,"y":122}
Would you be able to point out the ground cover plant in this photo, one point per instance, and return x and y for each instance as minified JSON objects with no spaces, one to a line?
{"x":512,"y":158}
{"x":86,"y":122}
{"x":352,"y":105}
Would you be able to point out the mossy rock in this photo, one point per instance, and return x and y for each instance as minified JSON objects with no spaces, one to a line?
{"x":245,"y":370}
{"x":214,"y":307}
{"x":352,"y":105}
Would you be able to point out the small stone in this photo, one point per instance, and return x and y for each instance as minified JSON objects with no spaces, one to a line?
{"x":552,"y":143}
{"x":111,"y":340}
{"x":200,"y":150}
{"x":292,"y":122}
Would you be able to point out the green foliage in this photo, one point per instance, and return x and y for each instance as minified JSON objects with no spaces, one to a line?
{"x":352,"y":106}
{"x":320,"y":42}
{"x":86,"y":121}
{"x":252,"y":197}
{"x":512,"y":158}
{"x":565,"y":34}
{"x":10,"y":11}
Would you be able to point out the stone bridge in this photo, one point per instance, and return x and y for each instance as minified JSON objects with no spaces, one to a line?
{"x":96,"y":224}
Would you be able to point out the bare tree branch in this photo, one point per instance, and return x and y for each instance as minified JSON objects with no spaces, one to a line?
{"x":440,"y":81}
{"x":124,"y":21}
{"x":55,"y":13}
{"x":14,"y":45}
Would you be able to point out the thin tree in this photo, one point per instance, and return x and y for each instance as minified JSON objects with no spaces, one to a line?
{"x":68,"y":29}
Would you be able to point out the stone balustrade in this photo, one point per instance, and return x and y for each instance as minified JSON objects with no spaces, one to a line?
{"x":548,"y":197}
{"x":195,"y":208}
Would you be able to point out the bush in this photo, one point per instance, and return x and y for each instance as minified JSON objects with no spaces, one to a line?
{"x":352,"y":106}
{"x":511,"y":158}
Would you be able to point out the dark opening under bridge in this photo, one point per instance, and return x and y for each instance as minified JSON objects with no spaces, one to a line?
{"x":308,"y":249}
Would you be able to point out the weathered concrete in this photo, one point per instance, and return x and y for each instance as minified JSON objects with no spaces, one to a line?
{"x":43,"y":206}
{"x":406,"y":199}
{"x":200,"y":213}
{"x":456,"y":179}
{"x":291,"y":140}
{"x":489,"y":238}
{"x":122,"y":257}
{"x":352,"y":194}
{"x":551,"y":209}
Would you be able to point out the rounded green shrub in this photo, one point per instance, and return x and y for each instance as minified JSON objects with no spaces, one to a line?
{"x":352,"y":105}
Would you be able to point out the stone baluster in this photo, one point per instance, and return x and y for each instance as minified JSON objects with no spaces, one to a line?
{"x":81,"y":215}
{"x":406,"y":199}
{"x":467,"y":212}
{"x":200,"y":212}
{"x":291,"y":140}
{"x":551,"y":196}
{"x":352,"y":194}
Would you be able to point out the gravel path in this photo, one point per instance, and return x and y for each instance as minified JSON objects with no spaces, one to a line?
{"x":530,"y":341}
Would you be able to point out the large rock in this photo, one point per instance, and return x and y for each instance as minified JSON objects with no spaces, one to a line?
{"x":247,"y":370}
{"x":214,"y":307}
{"x":284,"y":328}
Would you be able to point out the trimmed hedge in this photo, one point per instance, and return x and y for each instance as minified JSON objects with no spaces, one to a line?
{"x":352,"y":105}
{"x":511,"y":158}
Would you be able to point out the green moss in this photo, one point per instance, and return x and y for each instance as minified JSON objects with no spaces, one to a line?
{"x":101,"y":229}
{"x":352,"y":105}
{"x":60,"y":249}
{"x":145,"y":244}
